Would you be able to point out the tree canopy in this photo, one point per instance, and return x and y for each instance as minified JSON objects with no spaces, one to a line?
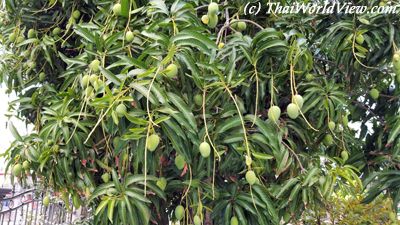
{"x":153,"y":111}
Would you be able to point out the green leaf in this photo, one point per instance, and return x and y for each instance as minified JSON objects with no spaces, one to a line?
{"x":85,"y":33}
{"x":110,"y":76}
{"x":136,"y":196}
{"x":195,"y":39}
{"x":262,"y":156}
{"x":183,"y":108}
{"x":14,"y":132}
{"x":228,"y":124}
{"x":125,"y":7}
{"x":101,"y":206}
{"x":110,"y":212}
{"x":394,"y":132}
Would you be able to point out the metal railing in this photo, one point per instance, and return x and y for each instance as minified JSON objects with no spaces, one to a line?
{"x":27,"y":208}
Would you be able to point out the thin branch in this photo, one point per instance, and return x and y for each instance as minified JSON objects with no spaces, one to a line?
{"x":295,"y":155}
{"x":369,"y":110}
{"x":252,"y":22}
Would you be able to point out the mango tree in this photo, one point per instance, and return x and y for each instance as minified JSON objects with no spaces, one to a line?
{"x":157,"y":111}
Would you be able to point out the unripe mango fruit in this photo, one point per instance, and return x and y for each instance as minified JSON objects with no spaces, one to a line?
{"x":251,"y":177}
{"x":162,"y":183}
{"x":328,"y":140}
{"x":249,"y":161}
{"x":46,"y":200}
{"x":98,"y":84}
{"x":180,"y":162}
{"x":152,"y":142}
{"x":76,"y":14}
{"x":309,"y":77}
{"x":12,"y":37}
{"x":93,"y":78}
{"x":360,"y":39}
{"x":234,"y":23}
{"x":117,"y":9}
{"x":20,"y":39}
{"x":26,"y":165}
{"x":198,"y":99}
{"x":213,"y":8}
{"x":85,"y":80}
{"x":56,"y":31}
{"x":274,"y":113}
{"x":234,"y":220}
{"x":205,"y":149}
{"x":42,"y":76}
{"x":298,"y":100}
{"x":293,"y":111}
{"x":241,"y":26}
{"x":105,"y":177}
{"x":396,"y":61}
{"x":17,"y":170}
{"x":205,"y":19}
{"x":213,"y":21}
{"x":197,"y":220}
{"x":345,"y":120}
{"x":89,"y":91}
{"x":171,"y":71}
{"x":129,"y":36}
{"x":179,"y":212}
{"x":345,"y":155}
{"x":331,"y":125}
{"x":31,"y":33}
{"x":94,"y":65}
{"x":374,"y":93}
{"x":121,"y":110}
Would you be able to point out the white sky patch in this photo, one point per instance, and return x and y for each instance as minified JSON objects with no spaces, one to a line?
{"x":6,"y":137}
{"x":357,"y":127}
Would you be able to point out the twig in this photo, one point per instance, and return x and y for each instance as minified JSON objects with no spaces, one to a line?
{"x":295,"y":155}
{"x":252,"y":22}
{"x":355,"y":55}
{"x":227,"y":24}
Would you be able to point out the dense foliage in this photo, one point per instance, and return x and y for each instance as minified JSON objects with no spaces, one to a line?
{"x":351,"y":210}
{"x":144,"y":111}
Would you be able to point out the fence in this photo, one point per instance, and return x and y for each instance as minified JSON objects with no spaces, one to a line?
{"x":27,"y":208}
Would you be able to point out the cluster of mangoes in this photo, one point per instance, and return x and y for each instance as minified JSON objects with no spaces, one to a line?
{"x":19,"y":168}
{"x":293,"y":109}
{"x":179,"y":213}
{"x":92,"y":83}
{"x":359,"y":38}
{"x":19,"y":35}
{"x":211,"y":18}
